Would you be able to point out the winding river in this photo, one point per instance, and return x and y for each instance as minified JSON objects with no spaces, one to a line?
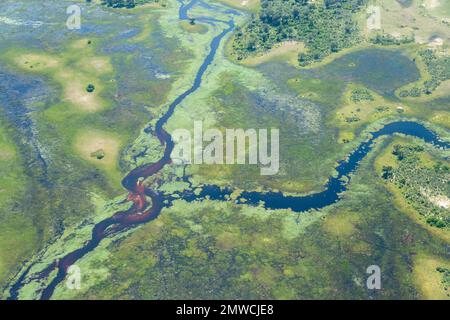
{"x":141,"y":211}
{"x":335,"y":185}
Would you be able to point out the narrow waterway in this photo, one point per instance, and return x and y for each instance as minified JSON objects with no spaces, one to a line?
{"x":335,"y":185}
{"x":138,"y":193}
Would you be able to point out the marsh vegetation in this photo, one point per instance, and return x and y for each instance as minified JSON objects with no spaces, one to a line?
{"x":63,"y":157}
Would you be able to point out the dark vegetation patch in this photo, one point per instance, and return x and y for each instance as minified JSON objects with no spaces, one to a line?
{"x":125,"y":3}
{"x":90,"y":88}
{"x":389,"y":40}
{"x":361,"y":94}
{"x":421,"y":186}
{"x":445,"y":272}
{"x":439,"y":69}
{"x":324,"y":28}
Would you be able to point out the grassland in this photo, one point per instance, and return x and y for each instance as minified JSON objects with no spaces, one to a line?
{"x":220,"y":250}
{"x":72,"y":76}
{"x":215,"y":249}
{"x":195,"y":28}
{"x":71,"y":125}
{"x":129,"y":100}
{"x":100,"y":148}
{"x":428,"y":279}
{"x":285,"y":51}
{"x":71,"y":115}
{"x":325,"y":90}
{"x":17,"y":230}
{"x":12,"y":179}
{"x":354,"y":113}
{"x":419,"y":19}
{"x":387,"y":158}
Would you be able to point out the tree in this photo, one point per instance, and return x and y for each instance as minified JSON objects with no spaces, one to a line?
{"x":387,"y":172}
{"x":90,"y":88}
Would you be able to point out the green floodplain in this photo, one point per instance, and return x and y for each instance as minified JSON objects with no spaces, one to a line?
{"x":75,"y":104}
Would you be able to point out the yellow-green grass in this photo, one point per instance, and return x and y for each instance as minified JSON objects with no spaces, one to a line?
{"x":345,"y":136}
{"x":72,"y":70}
{"x":386,"y":158}
{"x":367,"y":111}
{"x":148,"y":7}
{"x":336,"y":55}
{"x":11,"y":174}
{"x":88,"y":141}
{"x":285,"y":51}
{"x":17,"y":236}
{"x":425,"y":276}
{"x":221,"y":173}
{"x":412,"y":50}
{"x":18,"y":239}
{"x":146,"y":28}
{"x":303,"y":186}
{"x":427,"y":279}
{"x":400,"y":203}
{"x":12,"y":179}
{"x":442,"y":91}
{"x":193,"y":28}
{"x":81,"y":44}
{"x":344,"y":226}
{"x":315,"y":89}
{"x":438,"y":8}
{"x":398,"y":21}
{"x":441,"y":117}
{"x":417,"y":105}
{"x":341,"y":224}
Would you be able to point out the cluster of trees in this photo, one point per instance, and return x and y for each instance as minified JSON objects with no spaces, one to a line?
{"x":120,"y":3}
{"x":419,"y":183}
{"x":413,"y":92}
{"x":445,"y":278}
{"x":352,"y":118}
{"x":387,"y":172}
{"x":361,"y":94}
{"x":125,"y":3}
{"x":324,"y":27}
{"x":90,"y":88}
{"x":439,"y":69}
{"x":382,"y":108}
{"x":388,"y":40}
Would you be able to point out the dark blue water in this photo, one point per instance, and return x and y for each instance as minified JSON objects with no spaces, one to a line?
{"x":335,"y":185}
{"x":382,"y":70}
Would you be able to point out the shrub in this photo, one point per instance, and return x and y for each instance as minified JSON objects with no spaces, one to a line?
{"x":90,"y":88}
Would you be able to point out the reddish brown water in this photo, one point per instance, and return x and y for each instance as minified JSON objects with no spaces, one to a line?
{"x":141,"y":211}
